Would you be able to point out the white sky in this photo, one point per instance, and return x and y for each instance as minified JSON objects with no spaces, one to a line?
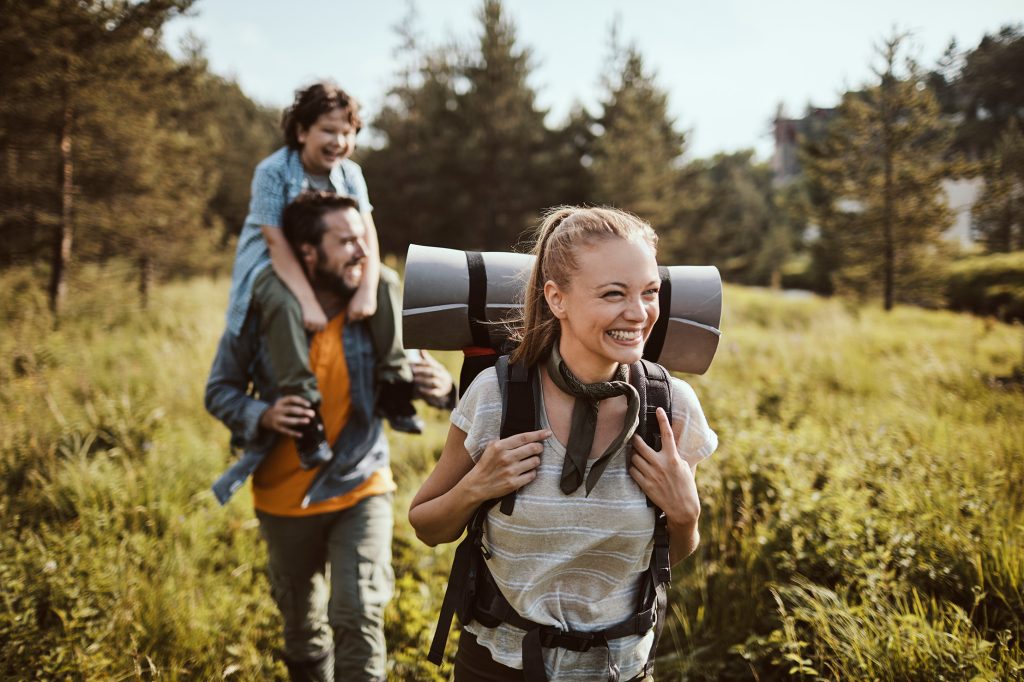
{"x":726,"y":65}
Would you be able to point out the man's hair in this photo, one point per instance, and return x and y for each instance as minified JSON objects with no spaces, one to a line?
{"x":303,"y":219}
{"x":312,"y":102}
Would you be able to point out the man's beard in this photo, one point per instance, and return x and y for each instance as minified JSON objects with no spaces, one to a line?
{"x":331,"y":281}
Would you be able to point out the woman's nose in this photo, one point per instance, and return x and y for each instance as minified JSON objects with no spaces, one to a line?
{"x":637,"y":311}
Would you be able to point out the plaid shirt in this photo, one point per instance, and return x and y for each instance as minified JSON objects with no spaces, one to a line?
{"x":278,"y":179}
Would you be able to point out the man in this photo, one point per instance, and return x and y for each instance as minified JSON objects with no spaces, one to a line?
{"x":340,"y":513}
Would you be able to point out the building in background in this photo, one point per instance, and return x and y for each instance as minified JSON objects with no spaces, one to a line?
{"x":789,"y":133}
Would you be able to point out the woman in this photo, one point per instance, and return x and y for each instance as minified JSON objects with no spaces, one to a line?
{"x":574,"y":551}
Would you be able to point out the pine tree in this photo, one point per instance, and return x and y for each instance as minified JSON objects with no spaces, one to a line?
{"x":62,"y":61}
{"x":731,"y":222}
{"x":637,"y":154}
{"x":414,"y":176}
{"x":989,"y":90}
{"x":466,"y":161}
{"x":998,"y":214}
{"x":876,"y":181}
{"x":505,"y":142}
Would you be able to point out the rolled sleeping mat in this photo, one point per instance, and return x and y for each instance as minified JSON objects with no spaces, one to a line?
{"x":453,"y":298}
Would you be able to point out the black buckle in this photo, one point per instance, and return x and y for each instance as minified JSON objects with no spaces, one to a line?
{"x":573,"y":641}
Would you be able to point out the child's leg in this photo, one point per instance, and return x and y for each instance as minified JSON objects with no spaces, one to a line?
{"x":386,"y":330}
{"x":287,"y":344}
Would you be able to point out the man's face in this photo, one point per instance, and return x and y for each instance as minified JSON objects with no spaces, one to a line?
{"x":342,"y":252}
{"x":330,"y":139}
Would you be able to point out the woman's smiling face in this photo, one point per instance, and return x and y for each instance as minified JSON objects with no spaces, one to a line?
{"x":608,"y":307}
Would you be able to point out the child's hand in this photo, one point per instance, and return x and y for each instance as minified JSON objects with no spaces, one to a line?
{"x":362,"y":305}
{"x":313,"y":317}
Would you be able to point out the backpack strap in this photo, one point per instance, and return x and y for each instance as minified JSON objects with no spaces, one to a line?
{"x":471,"y":592}
{"x":656,"y":341}
{"x":492,"y":608}
{"x":461,"y":592}
{"x":478,"y":299}
{"x":653,"y":383}
{"x":519,"y":401}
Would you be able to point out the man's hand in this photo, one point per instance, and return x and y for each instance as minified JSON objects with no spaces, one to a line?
{"x":286,"y":414}
{"x":433,"y":382}
{"x":362,"y":305}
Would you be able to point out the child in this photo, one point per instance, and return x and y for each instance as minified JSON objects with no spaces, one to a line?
{"x":320,"y":128}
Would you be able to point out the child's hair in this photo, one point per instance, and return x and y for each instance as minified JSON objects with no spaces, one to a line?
{"x":303,"y":219}
{"x":310,"y":103}
{"x":562,"y":232}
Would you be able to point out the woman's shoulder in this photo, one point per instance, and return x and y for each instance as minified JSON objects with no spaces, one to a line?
{"x":683,"y":395}
{"x":696,"y":439}
{"x":482,"y":392}
{"x":478,"y":413}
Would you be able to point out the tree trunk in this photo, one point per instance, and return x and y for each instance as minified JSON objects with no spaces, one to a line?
{"x":888,"y":248}
{"x":145,"y":278}
{"x":63,"y":233}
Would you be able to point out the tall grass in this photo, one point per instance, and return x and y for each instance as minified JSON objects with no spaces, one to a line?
{"x":862,"y":519}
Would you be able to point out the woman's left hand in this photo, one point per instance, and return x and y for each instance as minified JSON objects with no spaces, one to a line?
{"x":664,"y":475}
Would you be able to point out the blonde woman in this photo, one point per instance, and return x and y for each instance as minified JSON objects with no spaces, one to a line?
{"x":571,"y":567}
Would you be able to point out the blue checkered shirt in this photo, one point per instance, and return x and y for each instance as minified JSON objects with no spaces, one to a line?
{"x":278,"y":179}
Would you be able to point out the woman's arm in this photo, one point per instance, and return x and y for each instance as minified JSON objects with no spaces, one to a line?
{"x":667,"y":479}
{"x":288,"y":268}
{"x":456,"y":487}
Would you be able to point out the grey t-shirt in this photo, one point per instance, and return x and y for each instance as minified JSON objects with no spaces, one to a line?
{"x":573,"y":561}
{"x":320,"y":183}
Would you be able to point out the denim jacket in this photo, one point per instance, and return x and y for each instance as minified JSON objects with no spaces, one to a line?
{"x":241,"y":388}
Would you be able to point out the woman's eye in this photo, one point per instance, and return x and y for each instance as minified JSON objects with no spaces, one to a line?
{"x":651,"y":292}
{"x":611,"y":294}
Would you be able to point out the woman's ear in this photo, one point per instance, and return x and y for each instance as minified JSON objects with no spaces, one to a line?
{"x":555,"y":297}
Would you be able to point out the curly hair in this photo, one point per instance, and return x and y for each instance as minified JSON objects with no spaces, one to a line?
{"x":311,"y":103}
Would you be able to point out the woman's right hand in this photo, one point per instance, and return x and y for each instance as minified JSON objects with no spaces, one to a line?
{"x":286,"y":415}
{"x":506,"y":465}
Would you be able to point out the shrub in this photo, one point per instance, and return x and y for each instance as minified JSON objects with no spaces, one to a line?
{"x":988,"y":285}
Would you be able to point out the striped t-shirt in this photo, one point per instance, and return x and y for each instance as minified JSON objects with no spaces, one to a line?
{"x":573,"y":561}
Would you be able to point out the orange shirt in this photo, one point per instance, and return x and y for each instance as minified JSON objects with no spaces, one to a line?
{"x":279,"y":483}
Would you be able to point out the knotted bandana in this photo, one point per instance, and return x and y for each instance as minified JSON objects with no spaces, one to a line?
{"x":584,"y":420}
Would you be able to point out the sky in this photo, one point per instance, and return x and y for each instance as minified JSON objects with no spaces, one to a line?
{"x":726,"y":65}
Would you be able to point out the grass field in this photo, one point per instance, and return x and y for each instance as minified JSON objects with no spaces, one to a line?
{"x":863,"y":518}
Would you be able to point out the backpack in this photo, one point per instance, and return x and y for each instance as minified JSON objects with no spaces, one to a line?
{"x":471,"y":592}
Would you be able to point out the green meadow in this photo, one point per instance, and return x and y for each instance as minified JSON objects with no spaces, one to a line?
{"x":863,"y":518}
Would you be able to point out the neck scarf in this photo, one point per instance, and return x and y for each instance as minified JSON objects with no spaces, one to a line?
{"x":584,"y":419}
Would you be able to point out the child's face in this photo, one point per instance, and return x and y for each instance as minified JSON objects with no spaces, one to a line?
{"x":330,"y":139}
